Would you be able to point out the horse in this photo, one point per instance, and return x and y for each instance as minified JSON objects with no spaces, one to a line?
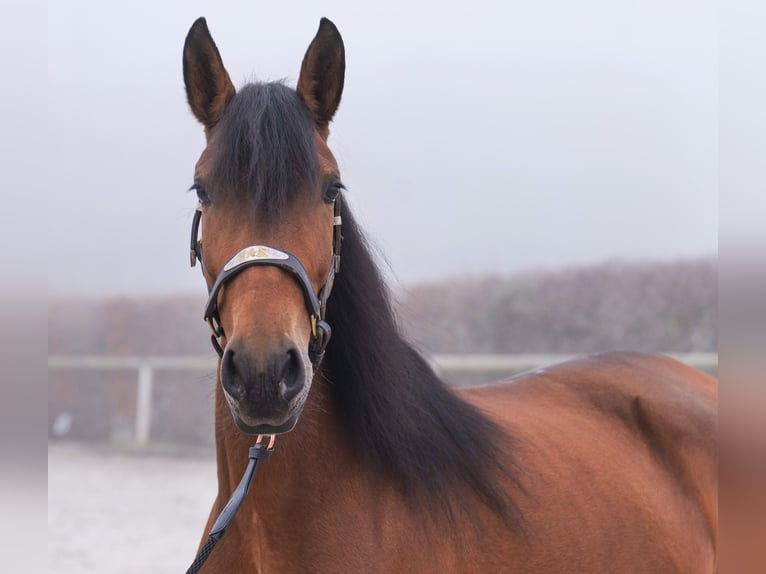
{"x":607,"y":463}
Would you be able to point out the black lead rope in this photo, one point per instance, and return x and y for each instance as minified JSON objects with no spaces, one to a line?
{"x":257,"y":452}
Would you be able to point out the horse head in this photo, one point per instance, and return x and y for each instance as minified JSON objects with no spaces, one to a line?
{"x":267,"y":228}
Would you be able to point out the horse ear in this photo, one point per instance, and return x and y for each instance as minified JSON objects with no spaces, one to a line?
{"x":208,"y":86}
{"x":322,"y":73}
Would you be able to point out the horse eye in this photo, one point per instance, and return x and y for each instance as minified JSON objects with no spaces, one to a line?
{"x":202,"y":195}
{"x":331,"y":193}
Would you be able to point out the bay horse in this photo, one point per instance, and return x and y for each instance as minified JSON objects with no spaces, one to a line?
{"x":604,"y":464}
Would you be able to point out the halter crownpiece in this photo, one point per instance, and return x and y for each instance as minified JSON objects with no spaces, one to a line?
{"x":316,"y":304}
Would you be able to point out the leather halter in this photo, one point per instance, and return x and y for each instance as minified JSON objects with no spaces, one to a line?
{"x":316,"y":304}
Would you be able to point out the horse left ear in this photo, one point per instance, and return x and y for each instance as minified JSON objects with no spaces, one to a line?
{"x":322,"y":73}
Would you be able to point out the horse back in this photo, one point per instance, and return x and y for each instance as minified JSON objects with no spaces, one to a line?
{"x":618,"y":461}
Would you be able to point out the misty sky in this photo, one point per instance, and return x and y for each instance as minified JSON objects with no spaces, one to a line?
{"x":473,"y":137}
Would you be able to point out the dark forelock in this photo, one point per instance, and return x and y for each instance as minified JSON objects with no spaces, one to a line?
{"x":263,"y":147}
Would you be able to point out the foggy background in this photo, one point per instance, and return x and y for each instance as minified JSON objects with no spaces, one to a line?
{"x":553,"y":165}
{"x":472,"y":137}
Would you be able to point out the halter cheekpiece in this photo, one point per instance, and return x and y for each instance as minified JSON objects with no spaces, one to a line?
{"x":316,"y":304}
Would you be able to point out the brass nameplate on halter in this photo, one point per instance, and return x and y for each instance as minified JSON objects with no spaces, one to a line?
{"x":253,"y":253}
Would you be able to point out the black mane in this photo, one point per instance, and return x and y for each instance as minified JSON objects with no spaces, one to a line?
{"x":401,"y":416}
{"x":264,"y":147}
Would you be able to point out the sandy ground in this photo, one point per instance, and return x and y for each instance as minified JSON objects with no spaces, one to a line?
{"x":115,"y":512}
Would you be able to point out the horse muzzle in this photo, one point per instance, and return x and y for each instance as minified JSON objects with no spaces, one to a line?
{"x":266,"y":392}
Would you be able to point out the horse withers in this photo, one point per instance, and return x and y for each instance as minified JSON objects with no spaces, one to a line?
{"x":605,"y":464}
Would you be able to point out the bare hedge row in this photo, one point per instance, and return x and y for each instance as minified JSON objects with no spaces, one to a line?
{"x":647,"y":306}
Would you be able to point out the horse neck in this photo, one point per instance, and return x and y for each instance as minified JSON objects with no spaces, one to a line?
{"x":311,"y":465}
{"x":316,"y":488}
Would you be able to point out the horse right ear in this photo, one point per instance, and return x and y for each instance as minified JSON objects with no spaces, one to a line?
{"x":208,"y":86}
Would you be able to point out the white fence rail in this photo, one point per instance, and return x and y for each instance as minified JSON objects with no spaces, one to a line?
{"x":443,"y":364}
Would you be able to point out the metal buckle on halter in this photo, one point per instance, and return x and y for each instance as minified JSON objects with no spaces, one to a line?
{"x":337,"y":239}
{"x":313,"y":319}
{"x":215,"y":327}
{"x":217,"y":332}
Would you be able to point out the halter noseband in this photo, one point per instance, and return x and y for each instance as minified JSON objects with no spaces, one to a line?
{"x":316,"y":304}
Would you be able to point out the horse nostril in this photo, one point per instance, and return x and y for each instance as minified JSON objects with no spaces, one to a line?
{"x":290,"y":375}
{"x":231,"y":378}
